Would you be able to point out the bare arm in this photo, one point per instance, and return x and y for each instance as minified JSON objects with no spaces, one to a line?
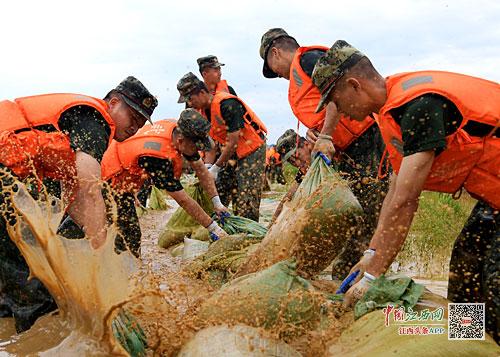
{"x":205,"y":178}
{"x":191,"y":207}
{"x":324,"y":141}
{"x":210,"y":155}
{"x":88,"y":209}
{"x":332,"y":118}
{"x":397,"y":213}
{"x":229,"y":149}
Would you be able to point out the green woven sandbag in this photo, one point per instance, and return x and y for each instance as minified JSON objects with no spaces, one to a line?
{"x":236,"y":225}
{"x":313,"y":227}
{"x":222,"y":259}
{"x":157,"y":199}
{"x":181,"y":224}
{"x":275,"y":298}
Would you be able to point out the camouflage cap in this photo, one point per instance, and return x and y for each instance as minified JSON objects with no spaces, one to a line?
{"x":186,"y":85}
{"x":195,"y":127}
{"x":286,"y":145}
{"x":265,"y":44}
{"x":208,"y":61}
{"x":332,"y":66}
{"x":137,"y":96}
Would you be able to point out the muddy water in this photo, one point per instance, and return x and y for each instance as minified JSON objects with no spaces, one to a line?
{"x":154,"y":290}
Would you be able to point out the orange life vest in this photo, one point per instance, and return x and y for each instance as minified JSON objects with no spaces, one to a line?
{"x":304,"y":97}
{"x":222,"y":86}
{"x":468,"y":161}
{"x":49,"y":154}
{"x":250,"y":139}
{"x":269,"y":154}
{"x":120,"y":163}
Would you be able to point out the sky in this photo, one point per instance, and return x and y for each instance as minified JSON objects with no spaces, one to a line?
{"x":88,"y":47}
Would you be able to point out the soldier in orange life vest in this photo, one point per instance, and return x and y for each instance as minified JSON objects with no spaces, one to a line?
{"x":359,"y":145}
{"x":62,"y":137}
{"x":441,"y":131}
{"x":210,"y":70}
{"x":238,"y":170}
{"x":155,"y":153}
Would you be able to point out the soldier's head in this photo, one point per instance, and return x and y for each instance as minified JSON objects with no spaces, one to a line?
{"x":130,"y":105}
{"x":295,"y":149}
{"x":191,"y":133}
{"x":346,"y":77}
{"x":193,"y":92}
{"x":277,"y":49}
{"x":210,"y":69}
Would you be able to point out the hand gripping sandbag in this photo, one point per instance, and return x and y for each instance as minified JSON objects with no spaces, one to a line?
{"x":313,"y":227}
{"x":181,"y":224}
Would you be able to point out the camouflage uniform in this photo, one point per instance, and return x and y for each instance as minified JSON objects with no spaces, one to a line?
{"x":475,"y":259}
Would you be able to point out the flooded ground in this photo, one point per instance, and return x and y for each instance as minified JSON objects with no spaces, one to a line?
{"x":49,"y":331}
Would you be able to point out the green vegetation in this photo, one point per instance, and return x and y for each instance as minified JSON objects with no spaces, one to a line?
{"x":438,"y":222}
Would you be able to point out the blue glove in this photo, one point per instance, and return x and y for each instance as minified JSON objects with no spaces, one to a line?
{"x":214,"y":237}
{"x":222,"y":216}
{"x":324,"y":157}
{"x":347,"y":283}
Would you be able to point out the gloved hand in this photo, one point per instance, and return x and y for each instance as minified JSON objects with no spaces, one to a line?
{"x":214,"y":171}
{"x":363,"y":263}
{"x":216,"y":232}
{"x":219,"y":208}
{"x":323,"y":144}
{"x":312,"y":135}
{"x":208,"y":166}
{"x":358,"y":290}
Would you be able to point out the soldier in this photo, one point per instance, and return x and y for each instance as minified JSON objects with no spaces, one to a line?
{"x":441,"y":131}
{"x":61,"y":137}
{"x":359,"y":145}
{"x":238,"y":170}
{"x":210,"y":70}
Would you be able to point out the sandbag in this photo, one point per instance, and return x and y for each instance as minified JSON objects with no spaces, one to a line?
{"x":193,"y":248}
{"x":275,"y":298}
{"x":368,"y":336}
{"x":234,"y":341}
{"x":222,"y":259}
{"x":157,"y":199}
{"x":313,"y":227}
{"x":236,"y":225}
{"x":181,"y":224}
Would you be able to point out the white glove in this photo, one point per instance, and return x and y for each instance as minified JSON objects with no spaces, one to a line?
{"x":214,"y":171}
{"x":219,"y":208}
{"x":208,"y":166}
{"x":216,"y":232}
{"x":358,"y":290}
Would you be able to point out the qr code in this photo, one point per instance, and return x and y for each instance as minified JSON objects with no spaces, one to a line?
{"x":466,"y":321}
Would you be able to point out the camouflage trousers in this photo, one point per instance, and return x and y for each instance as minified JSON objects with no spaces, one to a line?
{"x":240,"y":183}
{"x":359,"y":166}
{"x":474,"y":265}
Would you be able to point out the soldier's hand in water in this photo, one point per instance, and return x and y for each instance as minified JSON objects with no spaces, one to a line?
{"x":216,"y":232}
{"x":219,"y":208}
{"x":324,"y":144}
{"x":358,"y":290}
{"x":312,"y":135}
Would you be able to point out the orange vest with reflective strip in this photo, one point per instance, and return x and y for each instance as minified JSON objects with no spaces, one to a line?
{"x":304,"y":97}
{"x":468,"y":161}
{"x":49,"y":154}
{"x":250,"y":139}
{"x":37,"y":110}
{"x":269,"y":154}
{"x":120,"y":163}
